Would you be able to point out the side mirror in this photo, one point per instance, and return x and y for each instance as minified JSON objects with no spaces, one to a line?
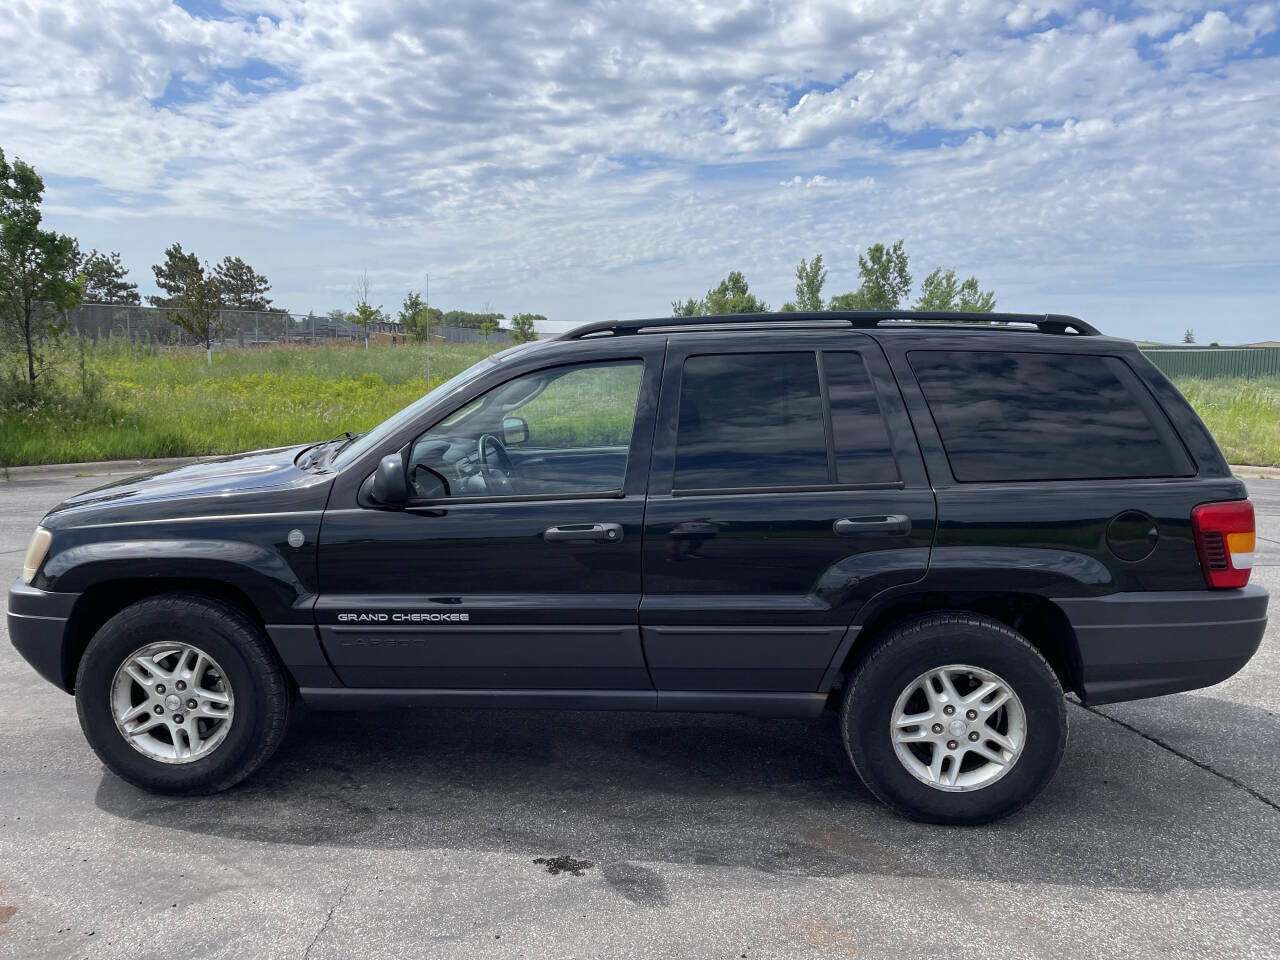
{"x":515,"y":431}
{"x":390,"y":487}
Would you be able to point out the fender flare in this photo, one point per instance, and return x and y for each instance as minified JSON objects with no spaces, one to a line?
{"x":261,"y":574}
{"x":1044,"y":574}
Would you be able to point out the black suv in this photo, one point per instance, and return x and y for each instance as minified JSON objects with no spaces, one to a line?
{"x":933,"y":524}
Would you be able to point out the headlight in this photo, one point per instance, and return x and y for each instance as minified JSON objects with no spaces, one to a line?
{"x":36,"y":553}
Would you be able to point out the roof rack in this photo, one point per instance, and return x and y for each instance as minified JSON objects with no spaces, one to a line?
{"x":859,"y":319}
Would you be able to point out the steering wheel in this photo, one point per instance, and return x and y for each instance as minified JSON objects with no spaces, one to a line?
{"x":499,"y":472}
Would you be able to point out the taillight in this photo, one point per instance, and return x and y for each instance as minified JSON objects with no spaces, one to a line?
{"x":1224,"y":540}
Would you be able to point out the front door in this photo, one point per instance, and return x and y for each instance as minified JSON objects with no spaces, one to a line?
{"x":517,"y":563}
{"x":786,"y":490}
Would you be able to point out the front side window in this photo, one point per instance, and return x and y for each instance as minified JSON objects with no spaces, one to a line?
{"x":750,"y":420}
{"x":1044,"y":416}
{"x":559,"y":431}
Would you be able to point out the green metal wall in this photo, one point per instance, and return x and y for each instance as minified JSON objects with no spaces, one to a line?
{"x":1216,"y":361}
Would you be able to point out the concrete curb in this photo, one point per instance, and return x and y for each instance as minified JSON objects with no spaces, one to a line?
{"x":99,"y":468}
{"x":110,"y":468}
{"x":1268,"y":473}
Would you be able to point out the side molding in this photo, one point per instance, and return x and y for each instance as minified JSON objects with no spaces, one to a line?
{"x":682,"y":701}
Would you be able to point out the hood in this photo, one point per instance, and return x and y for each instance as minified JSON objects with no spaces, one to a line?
{"x":223,"y":484}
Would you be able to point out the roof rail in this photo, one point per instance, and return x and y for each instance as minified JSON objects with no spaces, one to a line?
{"x":859,"y":319}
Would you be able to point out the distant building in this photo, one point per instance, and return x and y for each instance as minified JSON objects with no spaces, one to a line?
{"x":388,"y":331}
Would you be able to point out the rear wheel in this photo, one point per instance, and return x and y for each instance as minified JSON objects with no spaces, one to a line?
{"x":182,"y":694}
{"x":954,"y":718}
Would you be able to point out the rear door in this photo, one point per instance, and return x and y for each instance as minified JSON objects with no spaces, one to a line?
{"x":786,"y":489}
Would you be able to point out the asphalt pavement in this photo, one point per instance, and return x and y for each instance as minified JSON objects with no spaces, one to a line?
{"x":418,"y":834}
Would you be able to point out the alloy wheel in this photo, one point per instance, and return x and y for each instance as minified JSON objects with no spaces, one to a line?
{"x":172,"y":702}
{"x":958,"y":728}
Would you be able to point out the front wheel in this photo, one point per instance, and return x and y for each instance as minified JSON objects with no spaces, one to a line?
{"x":954,"y":718}
{"x":182,"y":694}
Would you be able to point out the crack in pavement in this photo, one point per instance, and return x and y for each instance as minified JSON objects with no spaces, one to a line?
{"x":1187,"y":757}
{"x":346,"y":887}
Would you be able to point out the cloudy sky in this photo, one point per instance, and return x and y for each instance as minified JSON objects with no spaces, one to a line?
{"x":597,"y":160}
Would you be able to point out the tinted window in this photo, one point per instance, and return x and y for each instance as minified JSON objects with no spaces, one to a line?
{"x":1041,"y":416}
{"x":863,"y":453}
{"x":750,"y":420}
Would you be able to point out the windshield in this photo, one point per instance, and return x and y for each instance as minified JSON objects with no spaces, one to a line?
{"x":366,"y":442}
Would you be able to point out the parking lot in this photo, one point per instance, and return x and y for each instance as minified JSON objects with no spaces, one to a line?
{"x":417,"y":834}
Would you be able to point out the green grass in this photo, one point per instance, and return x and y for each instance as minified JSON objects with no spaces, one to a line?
{"x":1243,"y":415}
{"x":133,"y":403}
{"x":585,"y":408}
{"x":170,"y":404}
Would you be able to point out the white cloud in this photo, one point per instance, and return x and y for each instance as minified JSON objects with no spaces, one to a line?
{"x":1216,"y":35}
{"x":608,"y":158}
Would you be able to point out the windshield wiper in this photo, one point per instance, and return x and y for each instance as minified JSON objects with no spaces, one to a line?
{"x":347,"y":438}
{"x":303,"y":459}
{"x":311,"y":455}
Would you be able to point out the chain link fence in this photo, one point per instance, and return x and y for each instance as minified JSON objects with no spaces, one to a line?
{"x":243,"y":328}
{"x":249,"y":328}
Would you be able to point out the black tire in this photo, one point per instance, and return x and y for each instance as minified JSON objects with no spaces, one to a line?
{"x":914,"y":647}
{"x":263,"y":693}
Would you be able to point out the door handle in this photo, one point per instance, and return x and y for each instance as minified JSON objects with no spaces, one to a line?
{"x":584,"y":533}
{"x":894,"y":523}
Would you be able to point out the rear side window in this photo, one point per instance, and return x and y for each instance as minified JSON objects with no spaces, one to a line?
{"x":1043,"y":416}
{"x":750,"y":420}
{"x":863,"y":453}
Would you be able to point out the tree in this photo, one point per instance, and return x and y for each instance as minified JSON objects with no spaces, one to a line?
{"x":193,"y":295}
{"x":37,"y":267}
{"x":1189,"y":336}
{"x":524,"y":326}
{"x":179,"y":270}
{"x":811,"y":275}
{"x":410,"y":310}
{"x":974,"y":300}
{"x":417,"y":317}
{"x":104,"y":280}
{"x":490,"y":324}
{"x":886,"y":280}
{"x":364,"y":313}
{"x":197,"y":308}
{"x":242,"y":287}
{"x":465,"y":318}
{"x":940,"y":291}
{"x":431,"y":318}
{"x":731,"y":295}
